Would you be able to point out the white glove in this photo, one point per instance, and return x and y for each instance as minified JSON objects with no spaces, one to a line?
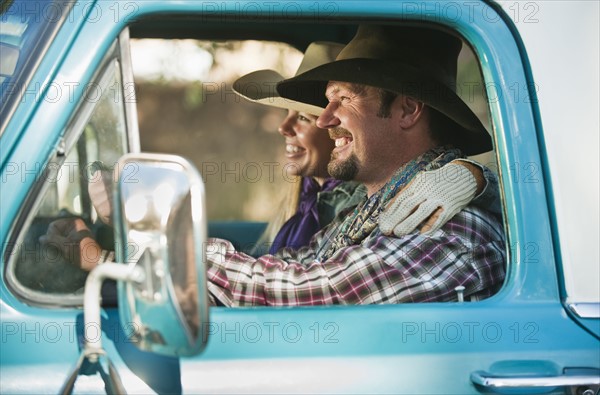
{"x":443,"y":192}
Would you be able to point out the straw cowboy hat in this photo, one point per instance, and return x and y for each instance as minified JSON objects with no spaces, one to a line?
{"x":416,"y":62}
{"x":259,"y":86}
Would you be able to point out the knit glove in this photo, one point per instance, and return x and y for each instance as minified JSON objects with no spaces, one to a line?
{"x":431,"y":199}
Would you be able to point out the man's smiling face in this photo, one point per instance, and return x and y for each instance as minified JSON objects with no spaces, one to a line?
{"x":363,"y":138}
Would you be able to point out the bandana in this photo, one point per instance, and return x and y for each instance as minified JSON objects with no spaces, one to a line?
{"x":297,"y":231}
{"x":358,"y":225}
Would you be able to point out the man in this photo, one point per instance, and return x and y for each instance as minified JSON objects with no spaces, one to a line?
{"x":390,"y":107}
{"x":315,"y":200}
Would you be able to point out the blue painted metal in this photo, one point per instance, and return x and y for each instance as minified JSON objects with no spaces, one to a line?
{"x":429,"y":348}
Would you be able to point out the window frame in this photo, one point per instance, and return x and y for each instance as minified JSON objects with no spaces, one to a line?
{"x":117,"y":52}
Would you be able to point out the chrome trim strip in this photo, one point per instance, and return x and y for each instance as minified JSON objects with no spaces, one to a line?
{"x":586,"y":310}
{"x":491,"y":381}
{"x":129,"y":97}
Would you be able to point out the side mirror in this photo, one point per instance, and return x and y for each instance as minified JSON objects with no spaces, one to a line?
{"x":160,"y":234}
{"x":160,"y":222}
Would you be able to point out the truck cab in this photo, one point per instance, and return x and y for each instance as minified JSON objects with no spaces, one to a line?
{"x":71,"y":101}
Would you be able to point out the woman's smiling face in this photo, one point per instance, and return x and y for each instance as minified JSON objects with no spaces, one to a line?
{"x":307,"y":147}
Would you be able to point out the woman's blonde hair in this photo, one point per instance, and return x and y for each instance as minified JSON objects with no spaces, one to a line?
{"x":287,"y":208}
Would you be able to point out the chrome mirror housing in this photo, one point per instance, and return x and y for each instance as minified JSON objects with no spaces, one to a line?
{"x":160,"y":222}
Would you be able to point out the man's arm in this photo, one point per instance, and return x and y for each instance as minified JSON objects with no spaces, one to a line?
{"x":381,"y":270}
{"x":435,"y":196}
{"x":75,"y":241}
{"x":488,"y":189}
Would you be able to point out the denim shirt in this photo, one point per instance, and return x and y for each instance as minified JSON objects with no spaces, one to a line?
{"x":342,"y":198}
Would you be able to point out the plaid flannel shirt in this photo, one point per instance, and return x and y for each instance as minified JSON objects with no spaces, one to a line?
{"x":469,"y":251}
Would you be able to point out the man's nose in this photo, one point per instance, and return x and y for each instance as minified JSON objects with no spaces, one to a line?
{"x":328,"y":119}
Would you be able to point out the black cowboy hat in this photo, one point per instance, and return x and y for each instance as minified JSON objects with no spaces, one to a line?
{"x":416,"y":62}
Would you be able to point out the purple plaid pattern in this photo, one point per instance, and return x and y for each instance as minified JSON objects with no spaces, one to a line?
{"x":469,"y":251}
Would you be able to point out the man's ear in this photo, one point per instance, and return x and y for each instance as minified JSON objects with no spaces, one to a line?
{"x":410,"y":111}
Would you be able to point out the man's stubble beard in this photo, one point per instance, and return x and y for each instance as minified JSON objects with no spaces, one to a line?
{"x":345,"y":170}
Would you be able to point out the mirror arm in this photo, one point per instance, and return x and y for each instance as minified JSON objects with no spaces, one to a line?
{"x":92,"y":298}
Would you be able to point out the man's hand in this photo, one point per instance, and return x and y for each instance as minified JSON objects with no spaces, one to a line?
{"x":431,"y":199}
{"x":74,"y":241}
{"x":100,"y":189}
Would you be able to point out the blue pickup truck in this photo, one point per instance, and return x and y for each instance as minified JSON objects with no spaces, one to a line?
{"x":69,"y":103}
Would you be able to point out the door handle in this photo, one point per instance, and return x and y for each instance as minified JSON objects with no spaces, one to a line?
{"x":492,"y":381}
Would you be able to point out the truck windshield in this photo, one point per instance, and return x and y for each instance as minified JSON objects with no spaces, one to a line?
{"x":27,"y":27}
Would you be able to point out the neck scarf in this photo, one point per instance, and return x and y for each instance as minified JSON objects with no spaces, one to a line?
{"x":297,"y":231}
{"x":358,"y":225}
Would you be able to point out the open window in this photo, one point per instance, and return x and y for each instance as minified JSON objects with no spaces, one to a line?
{"x":233,"y":142}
